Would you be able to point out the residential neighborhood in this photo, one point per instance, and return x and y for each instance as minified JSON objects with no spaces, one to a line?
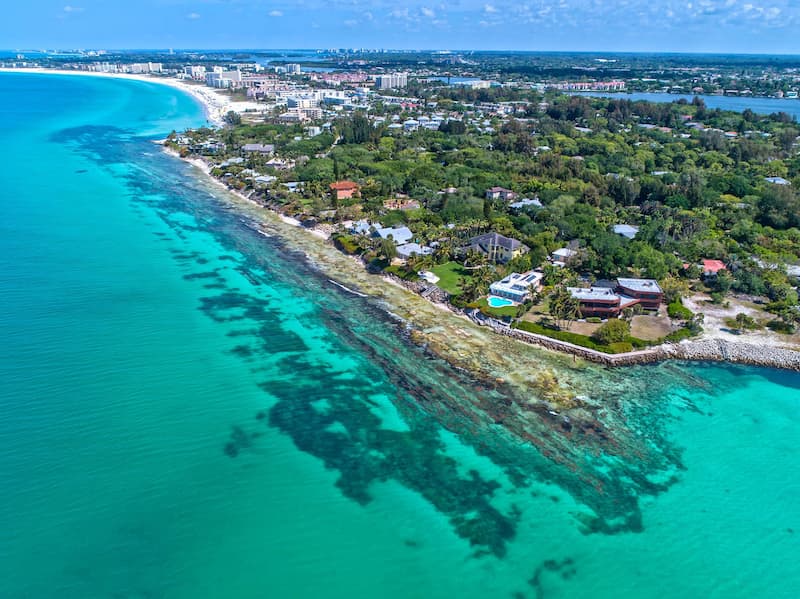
{"x":514,"y":200}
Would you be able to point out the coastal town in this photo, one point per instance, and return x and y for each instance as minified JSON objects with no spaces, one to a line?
{"x":356,"y":299}
{"x":595,"y":223}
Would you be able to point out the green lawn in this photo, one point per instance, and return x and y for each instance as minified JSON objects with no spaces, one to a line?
{"x":449,"y":274}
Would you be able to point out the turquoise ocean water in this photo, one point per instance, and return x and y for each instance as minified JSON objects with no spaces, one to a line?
{"x":187,"y":410}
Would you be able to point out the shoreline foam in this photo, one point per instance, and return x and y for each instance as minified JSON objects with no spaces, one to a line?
{"x":703,"y":349}
{"x":706,"y":348}
{"x":215,"y":104}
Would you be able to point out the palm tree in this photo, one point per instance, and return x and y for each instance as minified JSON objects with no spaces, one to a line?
{"x":483,"y":277}
{"x":475,"y":259}
{"x":469,"y":289}
{"x":388,"y":249}
{"x":563,"y":307}
{"x":424,"y":262}
{"x":444,"y":251}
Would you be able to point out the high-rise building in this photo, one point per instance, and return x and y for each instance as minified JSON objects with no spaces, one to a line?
{"x":195,"y":72}
{"x":391,"y":81}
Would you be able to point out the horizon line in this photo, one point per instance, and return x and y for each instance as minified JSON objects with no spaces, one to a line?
{"x":405,"y":50}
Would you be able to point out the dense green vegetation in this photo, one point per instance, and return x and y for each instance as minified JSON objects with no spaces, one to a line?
{"x":693,"y":180}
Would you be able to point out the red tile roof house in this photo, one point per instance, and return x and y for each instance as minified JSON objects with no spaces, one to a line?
{"x":712,"y":267}
{"x":344,"y":190}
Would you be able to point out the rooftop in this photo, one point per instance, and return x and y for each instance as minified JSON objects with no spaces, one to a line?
{"x":526,"y":202}
{"x":496,"y":240}
{"x":408,"y":249}
{"x":264,"y":148}
{"x":363,"y":226}
{"x":713,"y":266}
{"x":628,"y":231}
{"x":777,"y":180}
{"x":517,"y":281}
{"x":641,"y":285}
{"x":564,"y":253}
{"x":343,"y":185}
{"x":400,"y":235}
{"x":593,"y":293}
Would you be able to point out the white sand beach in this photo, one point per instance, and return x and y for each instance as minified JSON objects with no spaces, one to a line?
{"x":215,"y":102}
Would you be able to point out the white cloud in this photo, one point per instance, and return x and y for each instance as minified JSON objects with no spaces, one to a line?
{"x":427,"y":12}
{"x":193,"y":16}
{"x":399,"y":13}
{"x":489,"y":8}
{"x":276,"y":13}
{"x":69,"y":8}
{"x":350,"y":23}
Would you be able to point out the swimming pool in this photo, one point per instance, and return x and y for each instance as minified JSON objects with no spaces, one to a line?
{"x":499,"y":302}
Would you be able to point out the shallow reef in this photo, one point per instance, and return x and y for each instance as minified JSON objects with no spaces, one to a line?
{"x":539,"y":417}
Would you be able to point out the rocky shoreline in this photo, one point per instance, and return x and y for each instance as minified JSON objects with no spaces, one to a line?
{"x":702,"y":350}
{"x":707,"y":350}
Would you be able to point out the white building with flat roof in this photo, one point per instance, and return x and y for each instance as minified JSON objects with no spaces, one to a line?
{"x":392,"y":81}
{"x":197,"y":72}
{"x":627,"y":231}
{"x":400,"y":235}
{"x":517,"y":287}
{"x":407,"y":250}
{"x":223,"y":79}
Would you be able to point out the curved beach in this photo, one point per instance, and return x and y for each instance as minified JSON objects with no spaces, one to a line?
{"x":195,"y":411}
{"x":215,"y":104}
{"x":711,"y":346}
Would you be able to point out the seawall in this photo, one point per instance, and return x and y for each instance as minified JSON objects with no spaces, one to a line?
{"x":709,"y":350}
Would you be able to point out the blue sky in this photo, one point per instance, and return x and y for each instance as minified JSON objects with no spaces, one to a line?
{"x":746,"y":26}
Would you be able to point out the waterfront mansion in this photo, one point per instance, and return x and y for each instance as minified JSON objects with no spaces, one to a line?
{"x":609,"y":302}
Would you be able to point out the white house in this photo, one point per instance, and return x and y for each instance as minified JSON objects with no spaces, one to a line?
{"x":363,"y":227}
{"x":399,"y":235}
{"x":407,"y":250}
{"x":500,"y":193}
{"x":516,"y":287}
{"x":627,"y":231}
{"x":526,"y":203}
{"x":562,"y":255}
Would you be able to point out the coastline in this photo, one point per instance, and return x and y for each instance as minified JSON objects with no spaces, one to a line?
{"x":215,"y":105}
{"x":187,"y":388}
{"x":705,"y":348}
{"x":709,"y":348}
